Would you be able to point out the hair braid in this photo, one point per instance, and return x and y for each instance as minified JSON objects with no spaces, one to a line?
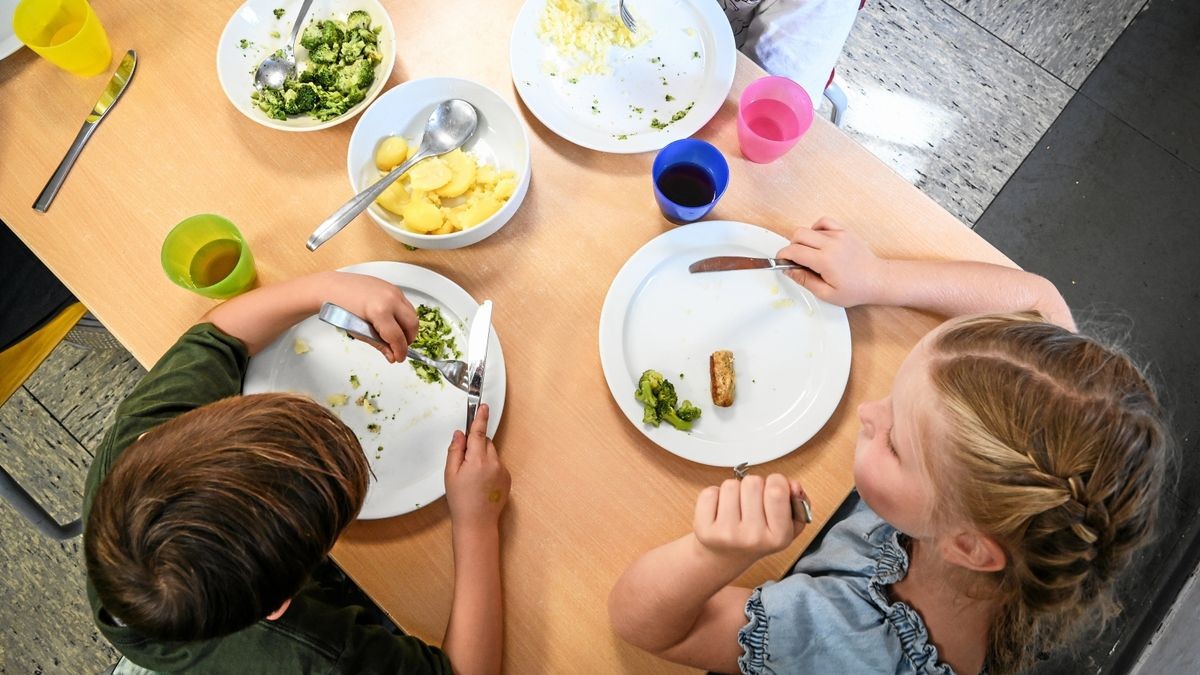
{"x":1056,"y":451}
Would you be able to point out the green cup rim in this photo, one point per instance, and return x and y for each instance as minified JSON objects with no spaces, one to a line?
{"x":212,"y":290}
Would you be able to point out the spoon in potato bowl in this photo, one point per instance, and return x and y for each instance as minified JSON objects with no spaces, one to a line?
{"x":451,"y":125}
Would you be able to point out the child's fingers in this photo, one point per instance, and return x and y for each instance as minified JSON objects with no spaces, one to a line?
{"x":391,"y":333}
{"x":826,"y":224}
{"x":809,"y":237}
{"x":801,"y":506}
{"x":752,"y":501}
{"x":706,"y":508}
{"x":812,"y":281}
{"x":477,"y":443}
{"x":777,"y":504}
{"x":805,"y":255}
{"x":729,"y":505}
{"x":406,"y":316}
{"x":457,"y":452}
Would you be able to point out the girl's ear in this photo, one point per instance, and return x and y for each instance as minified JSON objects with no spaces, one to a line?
{"x":974,"y":551}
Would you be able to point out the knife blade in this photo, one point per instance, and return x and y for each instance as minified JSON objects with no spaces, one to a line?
{"x":477,"y":349}
{"x":111,"y":94}
{"x":729,"y":263}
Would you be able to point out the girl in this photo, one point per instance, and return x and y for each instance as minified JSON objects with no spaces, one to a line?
{"x":1004,"y":482}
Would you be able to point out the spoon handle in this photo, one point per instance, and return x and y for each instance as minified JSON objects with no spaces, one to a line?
{"x":299,"y":22}
{"x":359,"y":202}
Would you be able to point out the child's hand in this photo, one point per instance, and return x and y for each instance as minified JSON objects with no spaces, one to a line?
{"x":847,"y":272}
{"x":383,"y":306}
{"x":750,"y":518}
{"x":476,"y":482}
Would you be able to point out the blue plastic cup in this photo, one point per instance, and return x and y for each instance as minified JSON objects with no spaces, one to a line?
{"x":689,"y":178}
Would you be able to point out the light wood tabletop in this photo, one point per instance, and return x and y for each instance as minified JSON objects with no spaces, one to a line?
{"x":589,"y":491}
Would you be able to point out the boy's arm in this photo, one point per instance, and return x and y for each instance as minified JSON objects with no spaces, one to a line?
{"x":675,"y":600}
{"x":477,"y":486}
{"x":261,"y":315}
{"x":848,"y":274}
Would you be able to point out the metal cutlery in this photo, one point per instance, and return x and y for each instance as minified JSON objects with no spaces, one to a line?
{"x":729,"y":263}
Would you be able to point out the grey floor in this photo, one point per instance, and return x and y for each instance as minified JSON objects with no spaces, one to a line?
{"x":953,"y":95}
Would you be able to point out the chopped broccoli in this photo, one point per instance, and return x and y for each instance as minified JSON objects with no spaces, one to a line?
{"x":359,"y":19}
{"x":660,"y":402}
{"x":322,"y":76}
{"x":323,"y":54}
{"x":355,"y":77}
{"x":279,"y":12}
{"x":433,"y":340}
{"x":311,"y":37}
{"x":301,"y":99}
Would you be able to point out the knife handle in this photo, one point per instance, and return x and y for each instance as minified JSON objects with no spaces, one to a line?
{"x":64,"y":167}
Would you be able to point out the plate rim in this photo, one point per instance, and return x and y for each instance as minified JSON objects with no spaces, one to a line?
{"x":610,"y":338}
{"x":372,"y":268}
{"x":723,"y":38}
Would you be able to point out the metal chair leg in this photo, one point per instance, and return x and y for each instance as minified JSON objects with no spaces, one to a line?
{"x":837,"y":98}
{"x":32,"y":511}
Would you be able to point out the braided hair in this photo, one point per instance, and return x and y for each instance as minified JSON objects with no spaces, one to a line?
{"x":1057,"y":451}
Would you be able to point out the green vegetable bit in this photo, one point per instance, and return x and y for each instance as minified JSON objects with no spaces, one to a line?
{"x":670,"y":98}
{"x":660,"y":403}
{"x":434,"y":339}
{"x":275,"y":34}
{"x":342,"y":56}
{"x":354,"y":381}
{"x":373,"y":428}
{"x":279,"y":12}
{"x":245,"y":44}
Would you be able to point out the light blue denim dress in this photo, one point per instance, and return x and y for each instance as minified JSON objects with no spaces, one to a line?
{"x":832,"y":613}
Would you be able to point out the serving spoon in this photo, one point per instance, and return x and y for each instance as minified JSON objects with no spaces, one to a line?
{"x":274,"y":71}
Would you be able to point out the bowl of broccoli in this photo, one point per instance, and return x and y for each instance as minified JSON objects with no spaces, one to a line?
{"x":344,"y":56}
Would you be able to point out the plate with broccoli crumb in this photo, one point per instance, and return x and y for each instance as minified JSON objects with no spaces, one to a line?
{"x":593,"y":82}
{"x":344,"y":56}
{"x":721,"y":368}
{"x":404,"y":413}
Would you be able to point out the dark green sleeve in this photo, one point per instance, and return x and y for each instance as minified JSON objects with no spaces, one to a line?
{"x":205,"y":365}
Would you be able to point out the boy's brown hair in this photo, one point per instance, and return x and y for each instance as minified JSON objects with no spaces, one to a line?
{"x":210,"y":521}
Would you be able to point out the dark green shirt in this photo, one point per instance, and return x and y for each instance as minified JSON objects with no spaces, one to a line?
{"x":317,"y":633}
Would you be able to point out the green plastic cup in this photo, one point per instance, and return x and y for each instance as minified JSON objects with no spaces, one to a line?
{"x":207,"y":255}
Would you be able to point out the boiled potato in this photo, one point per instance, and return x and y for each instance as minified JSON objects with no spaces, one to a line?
{"x":505,"y":188}
{"x":479,"y":211}
{"x":421,"y":215}
{"x":430,"y":174}
{"x":391,"y":153}
{"x":394,"y":198}
{"x":485,"y":175}
{"x":462,"y":166}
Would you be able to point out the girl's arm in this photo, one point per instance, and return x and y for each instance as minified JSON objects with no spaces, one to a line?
{"x":848,"y":274}
{"x":477,"y":486}
{"x":675,"y":600}
{"x":261,"y":315}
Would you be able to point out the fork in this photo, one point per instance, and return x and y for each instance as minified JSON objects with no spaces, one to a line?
{"x":626,"y":17}
{"x":455,"y":372}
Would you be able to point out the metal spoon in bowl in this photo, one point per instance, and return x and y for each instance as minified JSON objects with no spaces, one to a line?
{"x":274,"y":71}
{"x":452,"y":123}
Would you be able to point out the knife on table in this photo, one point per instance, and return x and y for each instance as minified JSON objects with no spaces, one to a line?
{"x":112,"y":93}
{"x":477,"y":348}
{"x":730,"y":263}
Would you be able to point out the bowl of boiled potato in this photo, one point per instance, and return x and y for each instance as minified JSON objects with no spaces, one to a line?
{"x":453,"y":200}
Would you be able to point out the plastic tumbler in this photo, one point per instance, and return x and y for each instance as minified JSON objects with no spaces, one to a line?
{"x":689,"y":178}
{"x":773,"y":113}
{"x":66,"y":33}
{"x":206,"y":254}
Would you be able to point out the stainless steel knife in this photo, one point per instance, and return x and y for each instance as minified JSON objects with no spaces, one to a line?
{"x":112,"y":93}
{"x":729,"y":263}
{"x":477,"y":349}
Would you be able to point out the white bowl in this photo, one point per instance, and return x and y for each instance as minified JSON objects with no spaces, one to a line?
{"x":255,"y":20}
{"x":500,"y":140}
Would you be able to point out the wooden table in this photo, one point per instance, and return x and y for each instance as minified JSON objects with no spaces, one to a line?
{"x":589,"y":491}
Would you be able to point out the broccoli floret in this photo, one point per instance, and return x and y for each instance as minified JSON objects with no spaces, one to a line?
{"x":352,"y":49}
{"x":359,"y":19}
{"x":333,"y":33}
{"x":301,"y":98}
{"x":279,"y":12}
{"x":312,"y":37}
{"x":355,"y":77}
{"x":324,"y":77}
{"x":323,"y":54}
{"x":659,"y":400}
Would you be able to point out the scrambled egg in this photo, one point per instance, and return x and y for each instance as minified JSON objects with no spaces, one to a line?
{"x":587,"y":28}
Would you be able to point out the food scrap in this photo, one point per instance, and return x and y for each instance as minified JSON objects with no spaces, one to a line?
{"x":373,"y":428}
{"x":661,"y":403}
{"x":336,"y":400}
{"x":354,"y":383}
{"x":434,"y":340}
{"x":585,"y":30}
{"x":300,"y":346}
{"x":720,"y":372}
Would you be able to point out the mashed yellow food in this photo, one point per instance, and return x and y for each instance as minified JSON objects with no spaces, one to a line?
{"x":586,"y":29}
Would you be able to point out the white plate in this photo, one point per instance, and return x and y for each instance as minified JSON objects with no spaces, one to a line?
{"x":791,"y":351}
{"x":417,"y":418}
{"x":499,"y":140}
{"x":694,"y":44}
{"x":254,"y":21}
{"x":8,"y":37}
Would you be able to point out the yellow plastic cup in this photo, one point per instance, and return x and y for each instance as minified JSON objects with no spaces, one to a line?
{"x":207,"y":254}
{"x":66,"y":33}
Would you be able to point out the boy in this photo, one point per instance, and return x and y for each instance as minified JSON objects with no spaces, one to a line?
{"x":207,"y":513}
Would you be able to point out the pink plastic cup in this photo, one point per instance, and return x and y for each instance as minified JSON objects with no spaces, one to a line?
{"x":773,"y":113}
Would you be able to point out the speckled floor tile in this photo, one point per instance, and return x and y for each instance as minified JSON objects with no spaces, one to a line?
{"x":1066,"y":37}
{"x":82,"y":387}
{"x":45,"y":625}
{"x":943,"y":102}
{"x":42,"y":456}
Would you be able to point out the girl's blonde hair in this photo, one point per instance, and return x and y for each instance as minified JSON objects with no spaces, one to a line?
{"x":1056,"y":451}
